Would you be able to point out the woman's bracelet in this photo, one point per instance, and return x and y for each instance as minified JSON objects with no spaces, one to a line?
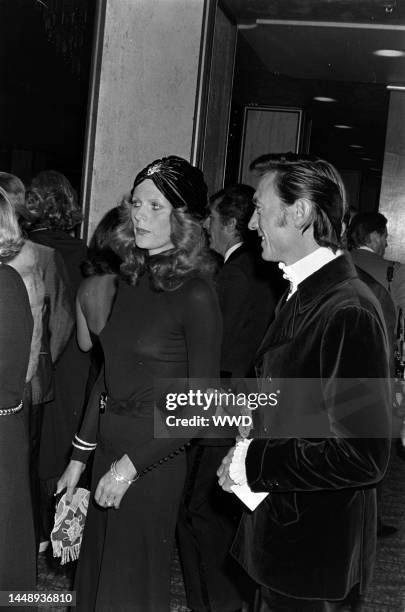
{"x":119,"y":477}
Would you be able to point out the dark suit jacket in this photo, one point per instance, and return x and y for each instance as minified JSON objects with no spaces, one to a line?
{"x":377,"y":267}
{"x":57,"y":321}
{"x":248,"y":291}
{"x":387,"y":307}
{"x":314,"y":535}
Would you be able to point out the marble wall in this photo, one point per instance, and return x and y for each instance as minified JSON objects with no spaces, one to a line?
{"x":143,"y":94}
{"x":392,"y":198}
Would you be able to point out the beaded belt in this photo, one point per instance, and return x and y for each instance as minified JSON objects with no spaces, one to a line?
{"x":8,"y":411}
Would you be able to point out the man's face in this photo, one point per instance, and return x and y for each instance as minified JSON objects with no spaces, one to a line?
{"x":218,"y":236}
{"x":271,"y":221}
{"x":378,"y":242}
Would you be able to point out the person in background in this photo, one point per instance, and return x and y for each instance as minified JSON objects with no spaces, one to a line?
{"x":97,"y":291}
{"x":27,"y":265}
{"x":248,"y":291}
{"x":52,"y":204}
{"x":17,"y":550}
{"x":367,"y":237}
{"x":310,"y":544}
{"x":367,"y":241}
{"x":57,"y":325}
{"x":165,"y":324}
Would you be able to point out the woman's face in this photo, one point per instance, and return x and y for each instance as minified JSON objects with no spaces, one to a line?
{"x":150,"y":215}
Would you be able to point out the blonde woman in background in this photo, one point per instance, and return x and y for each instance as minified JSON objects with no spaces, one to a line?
{"x":17,"y":550}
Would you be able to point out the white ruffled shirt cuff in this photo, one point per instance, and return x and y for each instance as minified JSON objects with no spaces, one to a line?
{"x":237,"y":469}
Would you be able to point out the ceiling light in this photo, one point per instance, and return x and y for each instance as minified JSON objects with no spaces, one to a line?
{"x":324,"y":99}
{"x":389,"y":53}
{"x":343,"y":126}
{"x":396,"y":87}
{"x":366,"y":158}
{"x":356,"y":146}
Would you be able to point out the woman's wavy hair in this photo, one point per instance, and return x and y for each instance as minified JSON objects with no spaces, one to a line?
{"x":11,"y":239}
{"x":52,"y":202}
{"x":183,"y":186}
{"x":15,"y":189}
{"x":107,"y":245}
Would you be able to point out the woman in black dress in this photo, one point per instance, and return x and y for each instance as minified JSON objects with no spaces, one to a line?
{"x":165,"y":324}
{"x":17,"y":542}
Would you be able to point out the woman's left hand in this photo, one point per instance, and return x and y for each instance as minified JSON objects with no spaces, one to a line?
{"x":110,"y":492}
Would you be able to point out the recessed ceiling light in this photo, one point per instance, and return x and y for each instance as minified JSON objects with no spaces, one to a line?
{"x":343,"y":126}
{"x":324,"y":99}
{"x":356,"y":146}
{"x":389,"y":53}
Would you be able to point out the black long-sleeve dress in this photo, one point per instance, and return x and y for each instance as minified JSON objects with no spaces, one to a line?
{"x":125,"y":558}
{"x":17,"y":543}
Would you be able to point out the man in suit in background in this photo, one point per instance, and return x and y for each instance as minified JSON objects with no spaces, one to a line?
{"x":367,"y":236}
{"x":248,"y":290}
{"x":367,"y":240}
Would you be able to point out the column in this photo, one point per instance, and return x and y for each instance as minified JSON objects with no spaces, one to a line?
{"x":143,"y":93}
{"x":392,"y":198}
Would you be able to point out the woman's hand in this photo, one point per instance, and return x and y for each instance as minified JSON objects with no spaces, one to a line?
{"x":110,"y":492}
{"x":402,"y":434}
{"x":70,"y":478}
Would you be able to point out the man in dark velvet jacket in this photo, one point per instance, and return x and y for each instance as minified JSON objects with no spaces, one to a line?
{"x":310,"y":544}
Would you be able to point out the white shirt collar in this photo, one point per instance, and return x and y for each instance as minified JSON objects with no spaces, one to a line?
{"x":306,"y":266}
{"x":366,"y":248}
{"x":231,"y":249}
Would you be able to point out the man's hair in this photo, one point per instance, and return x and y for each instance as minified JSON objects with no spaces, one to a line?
{"x":235,"y":202}
{"x":362,"y":225}
{"x":313,"y":179}
{"x":262,"y":164}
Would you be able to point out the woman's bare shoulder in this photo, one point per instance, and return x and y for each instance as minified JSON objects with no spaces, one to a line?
{"x":97,"y":286}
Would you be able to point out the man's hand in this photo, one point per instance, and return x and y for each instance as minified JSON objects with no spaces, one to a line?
{"x":224,"y":480}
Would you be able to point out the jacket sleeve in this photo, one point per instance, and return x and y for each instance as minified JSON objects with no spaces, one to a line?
{"x":61,"y":319}
{"x":235,"y":297}
{"x":356,"y":395}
